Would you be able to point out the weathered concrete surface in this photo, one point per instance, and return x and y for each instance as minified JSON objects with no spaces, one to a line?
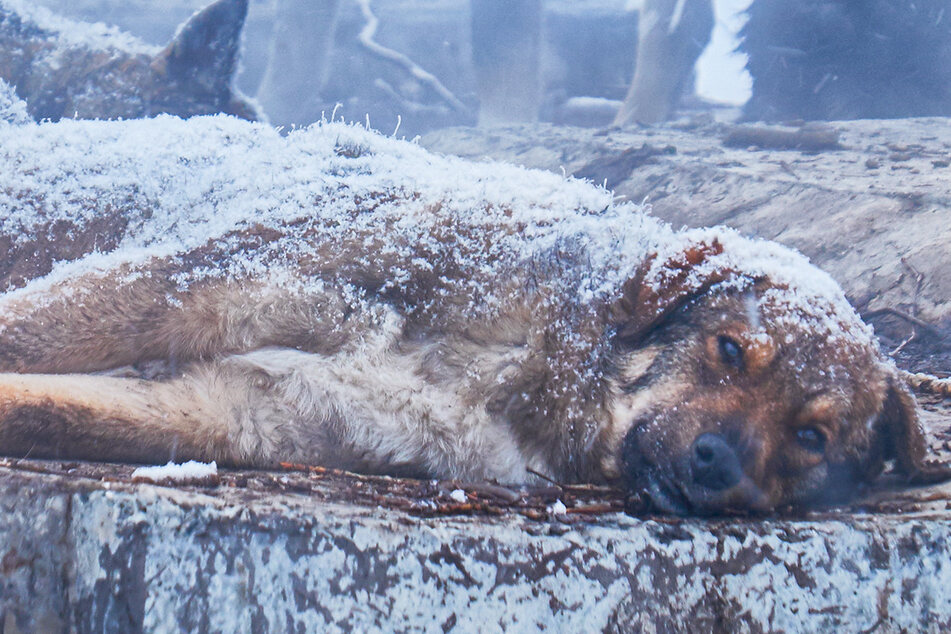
{"x":85,"y":549}
{"x":871,"y":213}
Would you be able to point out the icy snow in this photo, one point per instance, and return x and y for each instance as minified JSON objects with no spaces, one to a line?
{"x":558,"y":508}
{"x":191,"y":470}
{"x":458,"y":495}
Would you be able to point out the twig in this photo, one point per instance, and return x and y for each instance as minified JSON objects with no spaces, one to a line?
{"x":909,"y":318}
{"x":789,"y":170}
{"x":913,"y":317}
{"x":492,"y":490}
{"x":928,"y":383}
{"x":366,"y":39}
{"x":597,"y":509}
{"x":901,"y":346}
{"x":544,"y":477}
{"x":408,"y":105}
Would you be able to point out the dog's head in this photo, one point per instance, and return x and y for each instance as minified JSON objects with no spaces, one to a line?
{"x":746,"y":382}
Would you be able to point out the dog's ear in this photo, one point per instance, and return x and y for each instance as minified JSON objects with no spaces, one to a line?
{"x":660,"y":288}
{"x":204,"y":51}
{"x":899,"y":436}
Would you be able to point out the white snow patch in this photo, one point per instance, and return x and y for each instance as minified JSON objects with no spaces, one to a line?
{"x":459,"y":496}
{"x":12,"y":108}
{"x":188,"y":471}
{"x":558,"y":508}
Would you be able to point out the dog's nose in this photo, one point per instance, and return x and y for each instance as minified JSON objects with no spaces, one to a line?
{"x":714,"y":462}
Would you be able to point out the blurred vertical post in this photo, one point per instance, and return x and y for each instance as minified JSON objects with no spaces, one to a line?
{"x":301,"y":44}
{"x":506,"y":53}
{"x":671,"y":36}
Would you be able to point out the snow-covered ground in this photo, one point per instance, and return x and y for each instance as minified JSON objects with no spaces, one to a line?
{"x":175,"y":472}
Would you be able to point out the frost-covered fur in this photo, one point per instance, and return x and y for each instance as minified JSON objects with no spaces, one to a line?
{"x":208,"y":289}
{"x":66,"y":69}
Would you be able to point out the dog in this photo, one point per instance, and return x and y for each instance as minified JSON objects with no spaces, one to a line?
{"x":62,"y":68}
{"x":208,"y":289}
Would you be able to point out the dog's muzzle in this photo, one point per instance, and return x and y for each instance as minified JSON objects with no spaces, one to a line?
{"x":707,"y":479}
{"x":713,"y":463}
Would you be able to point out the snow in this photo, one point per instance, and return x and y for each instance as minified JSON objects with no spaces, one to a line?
{"x":12,"y":108}
{"x":441,"y":238}
{"x":458,"y":495}
{"x":184,"y":472}
{"x":558,"y":508}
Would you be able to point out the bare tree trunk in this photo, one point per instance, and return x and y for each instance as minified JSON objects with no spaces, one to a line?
{"x":671,"y":36}
{"x":506,"y":45}
{"x":298,"y":64}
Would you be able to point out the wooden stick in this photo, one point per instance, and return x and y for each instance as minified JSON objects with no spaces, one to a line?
{"x":366,"y":39}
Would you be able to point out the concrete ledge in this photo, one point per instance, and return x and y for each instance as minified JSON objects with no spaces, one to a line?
{"x":86,"y":554}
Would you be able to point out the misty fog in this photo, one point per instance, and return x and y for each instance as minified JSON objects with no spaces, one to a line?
{"x":433,"y":63}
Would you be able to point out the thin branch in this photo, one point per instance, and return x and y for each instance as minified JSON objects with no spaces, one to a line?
{"x":909,"y":318}
{"x":366,"y":39}
{"x":901,"y":346}
{"x":544,"y":477}
{"x":928,"y":383}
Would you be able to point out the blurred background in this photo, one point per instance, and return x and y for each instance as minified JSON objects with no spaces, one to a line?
{"x":302,"y":57}
{"x":428,"y":64}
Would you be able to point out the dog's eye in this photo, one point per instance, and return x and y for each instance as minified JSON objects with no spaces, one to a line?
{"x":730,"y":351}
{"x":811,"y":439}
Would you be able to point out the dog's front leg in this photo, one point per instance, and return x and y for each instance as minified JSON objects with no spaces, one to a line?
{"x":106,"y":418}
{"x":104,"y":320}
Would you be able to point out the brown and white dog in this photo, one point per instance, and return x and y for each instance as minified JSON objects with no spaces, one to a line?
{"x":208,"y":289}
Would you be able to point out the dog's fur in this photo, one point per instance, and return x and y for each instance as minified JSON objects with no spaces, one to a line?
{"x":64,"y":69}
{"x":342,"y":299}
